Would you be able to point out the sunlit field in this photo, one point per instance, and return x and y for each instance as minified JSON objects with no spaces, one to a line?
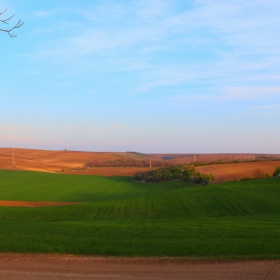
{"x":120,"y":217}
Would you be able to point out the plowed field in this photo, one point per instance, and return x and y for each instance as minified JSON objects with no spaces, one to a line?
{"x":49,"y":161}
{"x":237,"y":171}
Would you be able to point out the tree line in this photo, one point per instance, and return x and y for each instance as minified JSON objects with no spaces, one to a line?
{"x":225,"y":161}
{"x":129,"y":162}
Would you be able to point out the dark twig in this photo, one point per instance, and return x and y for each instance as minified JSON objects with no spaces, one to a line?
{"x":6,"y":21}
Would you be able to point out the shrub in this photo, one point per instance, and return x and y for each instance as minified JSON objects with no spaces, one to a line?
{"x":277,"y":172}
{"x":266,"y":175}
{"x":245,"y":179}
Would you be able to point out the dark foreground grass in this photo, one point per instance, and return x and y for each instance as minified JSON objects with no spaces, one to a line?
{"x":238,"y":220}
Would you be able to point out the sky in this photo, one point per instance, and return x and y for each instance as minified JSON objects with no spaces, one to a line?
{"x":152,"y":76}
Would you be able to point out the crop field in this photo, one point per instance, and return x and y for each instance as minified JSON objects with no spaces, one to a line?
{"x":119,"y":217}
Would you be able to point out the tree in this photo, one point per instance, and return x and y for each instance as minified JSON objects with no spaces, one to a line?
{"x":6,"y":21}
{"x":257,"y":173}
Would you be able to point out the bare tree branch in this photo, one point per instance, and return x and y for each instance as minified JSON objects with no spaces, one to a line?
{"x":6,"y":21}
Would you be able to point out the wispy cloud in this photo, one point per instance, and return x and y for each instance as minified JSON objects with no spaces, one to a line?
{"x":248,"y":25}
{"x":270,"y":106}
{"x":251,"y":92}
{"x":42,"y":13}
{"x":13,"y":128}
{"x":167,"y":77}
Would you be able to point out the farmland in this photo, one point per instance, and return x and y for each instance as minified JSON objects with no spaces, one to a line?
{"x":106,"y":163}
{"x":117,"y":216}
{"x":237,"y":171}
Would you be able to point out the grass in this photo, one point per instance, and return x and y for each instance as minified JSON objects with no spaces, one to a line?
{"x":235,"y":220}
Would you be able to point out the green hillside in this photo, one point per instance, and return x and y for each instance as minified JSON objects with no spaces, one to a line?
{"x":118,"y":216}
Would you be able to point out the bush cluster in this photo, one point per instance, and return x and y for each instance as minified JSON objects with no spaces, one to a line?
{"x":277,"y":172}
{"x":178,"y":172}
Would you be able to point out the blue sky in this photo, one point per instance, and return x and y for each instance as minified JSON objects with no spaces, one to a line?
{"x":150,"y":76}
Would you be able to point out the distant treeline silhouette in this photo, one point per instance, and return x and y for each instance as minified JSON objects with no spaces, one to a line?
{"x":224,"y":161}
{"x":129,"y":162}
{"x":132,"y":162}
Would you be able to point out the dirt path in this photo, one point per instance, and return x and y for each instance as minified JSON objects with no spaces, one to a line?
{"x":43,"y":267}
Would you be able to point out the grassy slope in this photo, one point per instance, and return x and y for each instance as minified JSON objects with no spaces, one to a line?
{"x":122,"y":217}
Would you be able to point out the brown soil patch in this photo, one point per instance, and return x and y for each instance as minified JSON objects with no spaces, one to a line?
{"x":50,"y":161}
{"x":237,"y":171}
{"x":9,"y":203}
{"x":43,"y":267}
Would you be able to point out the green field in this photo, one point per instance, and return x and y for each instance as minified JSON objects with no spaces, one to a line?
{"x":235,"y":220}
